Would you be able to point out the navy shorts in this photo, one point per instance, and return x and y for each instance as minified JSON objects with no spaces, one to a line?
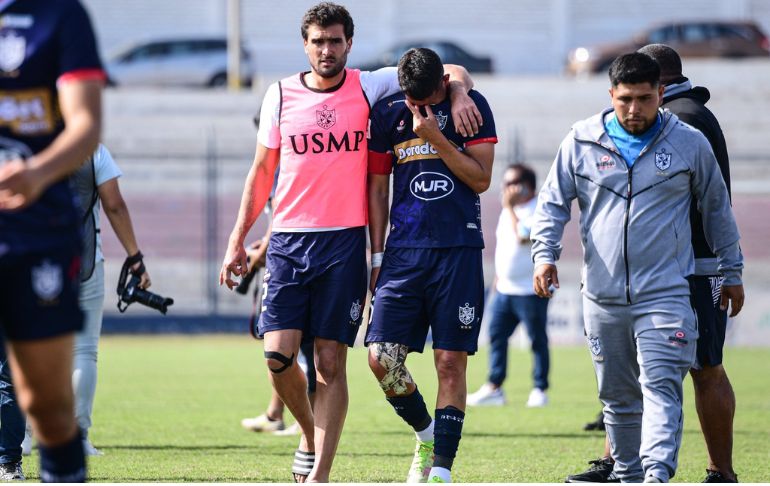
{"x":316,"y":283}
{"x":712,"y":321}
{"x":441,"y":289}
{"x":39,"y":295}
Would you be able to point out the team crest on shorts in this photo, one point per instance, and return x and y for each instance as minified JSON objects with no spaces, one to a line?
{"x":596,"y":348}
{"x":441,"y":118}
{"x":662,"y":159}
{"x":326,"y":118}
{"x":47,"y":281}
{"x":355,"y":311}
{"x":466,"y":315}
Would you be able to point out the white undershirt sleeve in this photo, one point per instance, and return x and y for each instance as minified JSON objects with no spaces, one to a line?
{"x":269,"y":133}
{"x":380,"y":84}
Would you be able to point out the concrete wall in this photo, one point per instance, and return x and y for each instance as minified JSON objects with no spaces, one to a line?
{"x":522,"y":36}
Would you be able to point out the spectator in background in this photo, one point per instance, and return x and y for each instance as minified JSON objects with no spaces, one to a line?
{"x":513,"y":299}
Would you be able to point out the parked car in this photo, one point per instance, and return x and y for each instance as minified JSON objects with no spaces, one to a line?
{"x":176,"y":62}
{"x":449,"y":52}
{"x":690,"y":39}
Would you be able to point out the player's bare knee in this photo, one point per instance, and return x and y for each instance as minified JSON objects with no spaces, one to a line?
{"x":327,"y":364}
{"x":708,"y":375}
{"x":278,"y":362}
{"x":450,"y":368}
{"x":391,"y":358}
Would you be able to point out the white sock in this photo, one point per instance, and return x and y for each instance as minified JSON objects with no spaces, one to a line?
{"x":441,"y":472}
{"x":425,"y":435}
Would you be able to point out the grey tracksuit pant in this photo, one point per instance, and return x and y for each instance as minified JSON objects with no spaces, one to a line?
{"x":87,"y":346}
{"x":641,"y":353}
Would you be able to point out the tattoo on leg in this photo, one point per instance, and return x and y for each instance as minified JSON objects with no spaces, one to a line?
{"x":391,"y":357}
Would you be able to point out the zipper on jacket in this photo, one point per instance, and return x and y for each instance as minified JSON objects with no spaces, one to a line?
{"x":625,"y":233}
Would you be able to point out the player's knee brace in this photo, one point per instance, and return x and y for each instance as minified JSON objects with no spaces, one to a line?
{"x":391,"y":357}
{"x":286,"y":362}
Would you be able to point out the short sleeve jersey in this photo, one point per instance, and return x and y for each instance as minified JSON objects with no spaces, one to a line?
{"x":42,"y":43}
{"x":431,"y":207}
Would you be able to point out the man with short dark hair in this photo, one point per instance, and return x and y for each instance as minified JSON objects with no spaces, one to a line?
{"x":635,"y":170}
{"x":714,"y":397}
{"x":315,"y":282}
{"x":512,"y":300}
{"x":431,"y":275}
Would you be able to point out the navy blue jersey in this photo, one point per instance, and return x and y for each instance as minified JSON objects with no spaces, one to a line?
{"x":42,"y":42}
{"x":431,"y":207}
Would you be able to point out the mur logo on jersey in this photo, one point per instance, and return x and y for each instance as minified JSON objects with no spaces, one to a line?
{"x":326,"y":118}
{"x":429,"y":186}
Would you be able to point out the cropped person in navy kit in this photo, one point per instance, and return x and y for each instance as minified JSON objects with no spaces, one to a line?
{"x":51,"y":80}
{"x":431,"y":273}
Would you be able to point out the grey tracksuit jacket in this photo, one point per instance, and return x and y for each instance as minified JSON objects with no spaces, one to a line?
{"x":634,"y":222}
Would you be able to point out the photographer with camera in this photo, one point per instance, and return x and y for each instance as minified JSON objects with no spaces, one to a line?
{"x":97,"y":182}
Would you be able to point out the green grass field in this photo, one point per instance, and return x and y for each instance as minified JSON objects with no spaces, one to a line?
{"x":169,"y":409}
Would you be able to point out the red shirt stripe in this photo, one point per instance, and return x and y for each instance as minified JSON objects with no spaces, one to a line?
{"x":380,"y":163}
{"x":481,"y":140}
{"x":83,"y":75}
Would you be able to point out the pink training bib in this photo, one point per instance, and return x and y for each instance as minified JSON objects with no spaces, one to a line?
{"x":322,"y":183}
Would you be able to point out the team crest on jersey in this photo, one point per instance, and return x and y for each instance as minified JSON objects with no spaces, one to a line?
{"x":326,"y":118}
{"x":47,"y":281}
{"x":355,"y":311}
{"x":662,"y":159}
{"x":12,"y":51}
{"x":466,"y":315}
{"x":441,"y":118}
{"x":596,"y":348}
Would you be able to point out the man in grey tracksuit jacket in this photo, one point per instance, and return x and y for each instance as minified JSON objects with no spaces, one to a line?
{"x":635,"y":232}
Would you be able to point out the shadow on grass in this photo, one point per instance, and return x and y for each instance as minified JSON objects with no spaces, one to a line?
{"x":201,"y":447}
{"x":523,"y":435}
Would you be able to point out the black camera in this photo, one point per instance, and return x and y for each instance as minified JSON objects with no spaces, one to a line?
{"x":131,"y":293}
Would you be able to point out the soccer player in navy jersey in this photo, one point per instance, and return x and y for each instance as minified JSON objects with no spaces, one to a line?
{"x":431,"y":271}
{"x":50,"y":85}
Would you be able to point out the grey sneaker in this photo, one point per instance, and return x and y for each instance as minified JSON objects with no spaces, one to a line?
{"x":90,"y":450}
{"x":11,"y":471}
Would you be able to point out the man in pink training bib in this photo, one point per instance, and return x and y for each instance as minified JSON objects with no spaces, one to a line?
{"x":315,"y":123}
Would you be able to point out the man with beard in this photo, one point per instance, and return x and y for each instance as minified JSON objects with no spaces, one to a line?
{"x":635,"y":169}
{"x":714,"y":396}
{"x":315,"y":282}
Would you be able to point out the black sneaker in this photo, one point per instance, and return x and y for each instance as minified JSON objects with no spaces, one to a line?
{"x":716,"y":477}
{"x":599,"y":472}
{"x":11,"y":471}
{"x":597,"y":424}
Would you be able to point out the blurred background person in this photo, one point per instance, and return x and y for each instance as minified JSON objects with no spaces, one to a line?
{"x":513,"y":298}
{"x":51,"y":78}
